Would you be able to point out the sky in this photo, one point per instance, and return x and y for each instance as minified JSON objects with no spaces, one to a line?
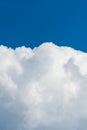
{"x":43,"y":65}
{"x":32,"y":22}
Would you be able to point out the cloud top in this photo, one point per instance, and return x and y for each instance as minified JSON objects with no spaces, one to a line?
{"x":43,"y":89}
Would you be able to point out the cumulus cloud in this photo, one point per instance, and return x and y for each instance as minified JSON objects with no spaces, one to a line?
{"x":44,"y":88}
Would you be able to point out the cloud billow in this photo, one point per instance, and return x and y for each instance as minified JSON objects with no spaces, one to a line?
{"x":44,"y":88}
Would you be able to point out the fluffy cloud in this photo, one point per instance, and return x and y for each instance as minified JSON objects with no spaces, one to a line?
{"x":43,"y":89}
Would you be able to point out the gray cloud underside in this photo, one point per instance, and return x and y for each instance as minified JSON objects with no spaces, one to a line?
{"x":43,"y":89}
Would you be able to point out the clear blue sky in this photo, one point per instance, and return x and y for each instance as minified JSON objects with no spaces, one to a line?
{"x":31,"y":22}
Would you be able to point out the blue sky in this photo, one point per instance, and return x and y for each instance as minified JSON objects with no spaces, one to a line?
{"x":32,"y":22}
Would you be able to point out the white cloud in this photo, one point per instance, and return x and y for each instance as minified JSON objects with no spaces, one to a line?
{"x":43,"y":89}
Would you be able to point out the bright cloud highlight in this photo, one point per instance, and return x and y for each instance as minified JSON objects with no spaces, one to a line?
{"x":43,"y":89}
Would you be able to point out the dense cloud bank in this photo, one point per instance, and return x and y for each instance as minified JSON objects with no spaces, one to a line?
{"x":43,"y":89}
